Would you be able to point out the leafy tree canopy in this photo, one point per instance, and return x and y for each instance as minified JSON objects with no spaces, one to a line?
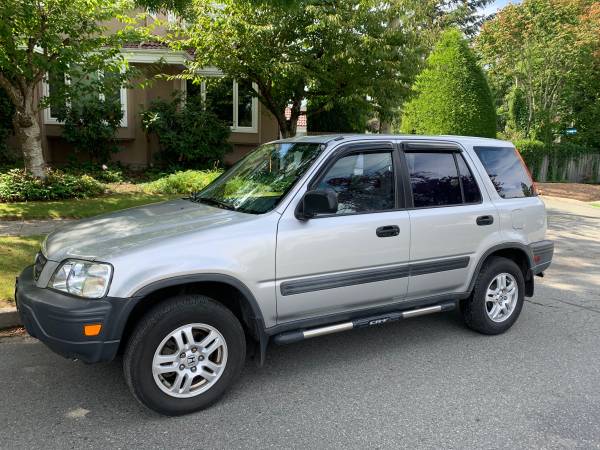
{"x":354,"y":49}
{"x":46,"y":37}
{"x":451,"y":94}
{"x":544,"y":55}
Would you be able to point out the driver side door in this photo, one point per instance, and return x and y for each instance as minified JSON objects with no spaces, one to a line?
{"x":355,"y":258}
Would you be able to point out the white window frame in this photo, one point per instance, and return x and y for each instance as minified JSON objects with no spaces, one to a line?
{"x":49,"y":120}
{"x":234,"y":128}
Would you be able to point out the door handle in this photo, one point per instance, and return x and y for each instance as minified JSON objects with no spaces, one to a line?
{"x":485,"y":220}
{"x":388,"y":231}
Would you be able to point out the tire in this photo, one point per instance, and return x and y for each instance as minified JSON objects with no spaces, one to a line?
{"x":478,"y":309}
{"x":157,"y":335}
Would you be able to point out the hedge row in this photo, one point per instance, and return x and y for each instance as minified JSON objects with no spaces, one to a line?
{"x":559,"y":155}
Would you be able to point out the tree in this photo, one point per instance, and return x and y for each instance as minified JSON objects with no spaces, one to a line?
{"x":341,"y":117}
{"x":451,"y":94}
{"x":320,"y":52}
{"x":546,"y":51}
{"x":7,"y":111}
{"x":41,"y":37}
{"x":463,"y":14}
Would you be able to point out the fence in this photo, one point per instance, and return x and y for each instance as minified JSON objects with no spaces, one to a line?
{"x":582,"y":169}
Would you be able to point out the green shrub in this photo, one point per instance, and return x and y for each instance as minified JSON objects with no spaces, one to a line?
{"x":105,"y":173}
{"x":452,"y":95}
{"x":188,"y":135}
{"x":18,"y":186}
{"x":90,"y":126}
{"x":533,"y":153}
{"x":182,"y":182}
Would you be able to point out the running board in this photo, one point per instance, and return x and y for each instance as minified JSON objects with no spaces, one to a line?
{"x":290,"y":337}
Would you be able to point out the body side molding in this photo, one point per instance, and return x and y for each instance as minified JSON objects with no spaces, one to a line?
{"x":322,"y":282}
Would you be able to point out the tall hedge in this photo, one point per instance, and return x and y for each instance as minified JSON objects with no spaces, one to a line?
{"x":451,"y":95}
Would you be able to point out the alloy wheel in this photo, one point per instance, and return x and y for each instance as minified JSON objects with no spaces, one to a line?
{"x":189,"y":360}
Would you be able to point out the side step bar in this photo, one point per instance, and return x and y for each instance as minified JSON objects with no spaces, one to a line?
{"x":290,"y":337}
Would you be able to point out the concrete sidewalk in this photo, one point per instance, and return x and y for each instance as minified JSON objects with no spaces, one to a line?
{"x":31,"y":227}
{"x":571,"y":206}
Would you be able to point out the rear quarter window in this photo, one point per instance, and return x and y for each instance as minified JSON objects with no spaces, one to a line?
{"x":506,"y":171}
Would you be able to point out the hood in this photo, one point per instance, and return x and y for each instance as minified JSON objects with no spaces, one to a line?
{"x":108,"y":234}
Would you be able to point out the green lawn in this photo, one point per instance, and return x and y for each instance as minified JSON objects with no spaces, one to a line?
{"x":77,"y":209}
{"x":597,"y":205}
{"x":16,"y":252}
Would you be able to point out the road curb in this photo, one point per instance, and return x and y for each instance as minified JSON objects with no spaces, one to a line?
{"x":9,"y":317}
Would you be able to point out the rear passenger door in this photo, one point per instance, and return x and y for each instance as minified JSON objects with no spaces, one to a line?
{"x":451,"y":218}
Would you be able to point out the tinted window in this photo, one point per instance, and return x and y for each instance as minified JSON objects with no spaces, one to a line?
{"x":363,"y":182}
{"x":505,"y":169}
{"x":434,"y":179}
{"x":219,"y":98}
{"x":470,"y":189}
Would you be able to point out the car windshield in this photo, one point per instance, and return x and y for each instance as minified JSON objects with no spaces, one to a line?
{"x":258,"y":182}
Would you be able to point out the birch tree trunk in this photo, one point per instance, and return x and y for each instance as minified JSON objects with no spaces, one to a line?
{"x":26,"y":123}
{"x":28,"y":132}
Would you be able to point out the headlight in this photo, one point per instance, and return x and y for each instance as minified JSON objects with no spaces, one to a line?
{"x":82,"y":278}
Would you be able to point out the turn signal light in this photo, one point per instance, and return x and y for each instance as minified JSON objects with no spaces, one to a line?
{"x":92,"y":329}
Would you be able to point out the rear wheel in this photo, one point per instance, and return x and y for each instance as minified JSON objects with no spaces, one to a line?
{"x":497,"y":297}
{"x":184,"y":354}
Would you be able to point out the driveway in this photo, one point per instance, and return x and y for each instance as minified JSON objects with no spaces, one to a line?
{"x":427,"y":382}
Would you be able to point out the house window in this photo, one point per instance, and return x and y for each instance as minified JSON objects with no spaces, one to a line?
{"x":232,"y":102}
{"x":54,"y":83}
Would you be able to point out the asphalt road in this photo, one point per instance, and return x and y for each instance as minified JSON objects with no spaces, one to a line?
{"x":426,"y":382}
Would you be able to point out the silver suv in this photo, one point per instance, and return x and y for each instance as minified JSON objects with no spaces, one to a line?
{"x":301,"y":238}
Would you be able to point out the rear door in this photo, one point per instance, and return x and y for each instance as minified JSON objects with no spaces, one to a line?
{"x":355,"y":258}
{"x":451,"y":218}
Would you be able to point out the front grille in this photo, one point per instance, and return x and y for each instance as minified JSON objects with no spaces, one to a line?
{"x":38,"y":265}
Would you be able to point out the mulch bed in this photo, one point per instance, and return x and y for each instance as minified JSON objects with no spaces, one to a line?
{"x":10,"y":332}
{"x":577,"y":191}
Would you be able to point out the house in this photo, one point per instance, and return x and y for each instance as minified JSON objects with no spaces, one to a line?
{"x":251,"y":124}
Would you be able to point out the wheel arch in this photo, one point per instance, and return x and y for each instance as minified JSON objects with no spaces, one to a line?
{"x":225,"y":289}
{"x":515,"y":251}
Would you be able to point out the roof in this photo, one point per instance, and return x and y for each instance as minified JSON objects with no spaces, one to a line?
{"x":145,"y":45}
{"x":325,"y":138}
{"x":302,"y":120}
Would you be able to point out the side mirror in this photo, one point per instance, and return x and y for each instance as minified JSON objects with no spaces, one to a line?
{"x":317,"y":202}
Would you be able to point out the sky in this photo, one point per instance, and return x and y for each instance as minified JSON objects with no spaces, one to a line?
{"x":498,"y":4}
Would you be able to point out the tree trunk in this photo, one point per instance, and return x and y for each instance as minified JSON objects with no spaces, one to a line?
{"x":27,"y":128}
{"x":385,"y":127}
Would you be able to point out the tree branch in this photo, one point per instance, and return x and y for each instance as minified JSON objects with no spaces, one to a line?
{"x":11,"y":90}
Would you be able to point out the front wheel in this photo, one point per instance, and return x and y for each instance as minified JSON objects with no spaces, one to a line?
{"x":497,"y":297}
{"x":184,"y":354}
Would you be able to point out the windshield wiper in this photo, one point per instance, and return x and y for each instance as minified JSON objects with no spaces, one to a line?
{"x":212,"y":202}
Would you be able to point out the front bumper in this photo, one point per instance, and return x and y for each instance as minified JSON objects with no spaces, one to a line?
{"x":57,"y":320}
{"x":542,"y":252}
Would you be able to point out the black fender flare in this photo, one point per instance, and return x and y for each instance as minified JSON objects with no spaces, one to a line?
{"x":504,"y":246}
{"x":257,"y":316}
